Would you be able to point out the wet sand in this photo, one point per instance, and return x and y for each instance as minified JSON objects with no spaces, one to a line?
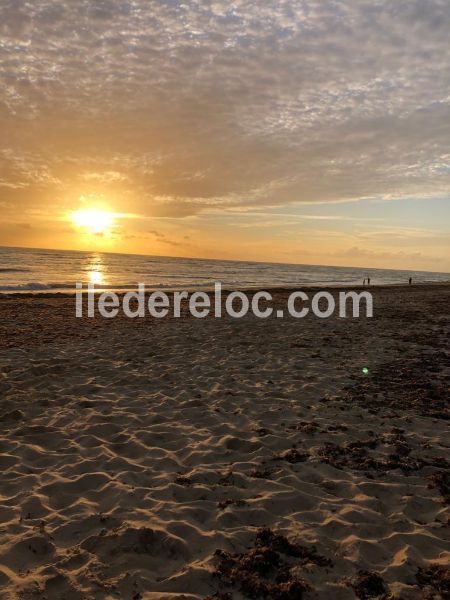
{"x":225,"y":458}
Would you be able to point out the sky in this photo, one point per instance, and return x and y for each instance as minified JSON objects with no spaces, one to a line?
{"x":293,"y":131}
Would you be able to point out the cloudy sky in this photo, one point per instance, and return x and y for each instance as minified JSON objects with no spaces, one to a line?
{"x":295,"y":131}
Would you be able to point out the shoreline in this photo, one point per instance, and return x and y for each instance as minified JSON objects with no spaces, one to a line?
{"x":275,"y":289}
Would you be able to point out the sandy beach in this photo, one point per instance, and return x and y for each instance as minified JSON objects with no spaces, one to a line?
{"x":225,"y":458}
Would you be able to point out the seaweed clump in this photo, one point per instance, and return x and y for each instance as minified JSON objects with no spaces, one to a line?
{"x":368,"y":584}
{"x":436,"y":577}
{"x":270,"y":568}
{"x":441,"y":480}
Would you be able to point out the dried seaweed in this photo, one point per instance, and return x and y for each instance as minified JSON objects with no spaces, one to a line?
{"x":267,"y":569}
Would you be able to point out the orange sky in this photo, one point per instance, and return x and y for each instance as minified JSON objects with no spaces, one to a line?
{"x":294,"y":132}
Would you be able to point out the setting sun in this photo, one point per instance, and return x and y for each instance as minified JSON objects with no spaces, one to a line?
{"x":94,"y":220}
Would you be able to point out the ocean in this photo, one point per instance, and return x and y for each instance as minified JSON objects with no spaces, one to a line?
{"x":33,"y":270}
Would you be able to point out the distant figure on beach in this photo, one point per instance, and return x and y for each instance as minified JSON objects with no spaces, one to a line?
{"x":410,"y":280}
{"x":368,"y":281}
{"x":364,"y":282}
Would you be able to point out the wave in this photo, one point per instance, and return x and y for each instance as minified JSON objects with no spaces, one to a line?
{"x":34,"y":286}
{"x":13,"y":270}
{"x":118,"y":287}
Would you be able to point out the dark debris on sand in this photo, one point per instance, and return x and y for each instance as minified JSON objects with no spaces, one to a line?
{"x":353,"y":455}
{"x":441,"y":480}
{"x":269,"y":568}
{"x":293,"y":455}
{"x":367,"y":455}
{"x":309,"y":427}
{"x":435,"y":578}
{"x":261,"y":473}
{"x":223,"y":504}
{"x":368,"y":584}
{"x":182,"y":480}
{"x":417,"y":385}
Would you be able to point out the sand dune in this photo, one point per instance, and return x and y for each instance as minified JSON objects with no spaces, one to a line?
{"x":131,"y":452}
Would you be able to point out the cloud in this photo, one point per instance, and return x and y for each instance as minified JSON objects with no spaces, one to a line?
{"x":356,"y":253}
{"x":180,"y":107}
{"x":104,"y":177}
{"x":403,"y":234}
{"x":157,"y":234}
{"x":162,"y":238}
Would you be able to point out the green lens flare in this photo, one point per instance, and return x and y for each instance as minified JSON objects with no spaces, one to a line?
{"x":365,"y":370}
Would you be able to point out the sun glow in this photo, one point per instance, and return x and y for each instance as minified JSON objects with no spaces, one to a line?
{"x":94,"y":220}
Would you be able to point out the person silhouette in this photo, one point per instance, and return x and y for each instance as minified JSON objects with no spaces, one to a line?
{"x":368,"y":281}
{"x":410,"y":280}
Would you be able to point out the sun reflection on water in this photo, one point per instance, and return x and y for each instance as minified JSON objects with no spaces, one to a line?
{"x":95,"y":269}
{"x":96,"y":277}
